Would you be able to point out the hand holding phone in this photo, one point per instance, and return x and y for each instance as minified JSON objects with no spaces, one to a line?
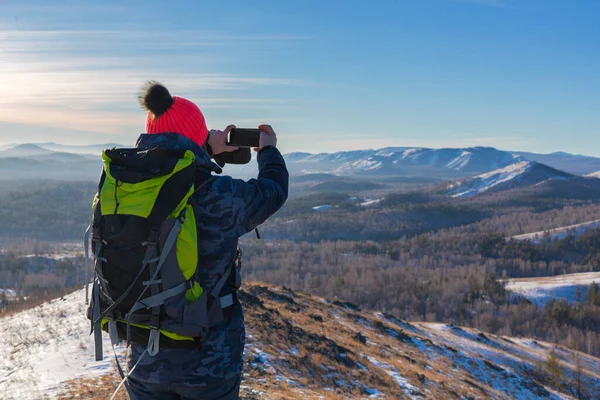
{"x":252,"y":138}
{"x":267,"y":137}
{"x":218,"y":141}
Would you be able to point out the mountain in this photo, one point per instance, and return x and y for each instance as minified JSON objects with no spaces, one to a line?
{"x":31,"y":161}
{"x":394,"y":161}
{"x":520,"y":174}
{"x":449,"y":163}
{"x":301,"y":346}
{"x":572,"y":163}
{"x":25,"y":150}
{"x":575,"y":187}
{"x":39,"y":153}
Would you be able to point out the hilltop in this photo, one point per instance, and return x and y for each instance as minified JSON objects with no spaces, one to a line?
{"x":520,"y":174}
{"x":301,"y":346}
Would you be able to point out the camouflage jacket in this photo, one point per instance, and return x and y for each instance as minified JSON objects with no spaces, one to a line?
{"x":227,"y":209}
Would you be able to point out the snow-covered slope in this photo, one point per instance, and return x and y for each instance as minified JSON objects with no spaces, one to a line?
{"x":520,"y":174}
{"x":559,"y":233}
{"x":594,"y":174}
{"x":299,"y":346}
{"x":540,"y":290}
{"x":44,"y":347}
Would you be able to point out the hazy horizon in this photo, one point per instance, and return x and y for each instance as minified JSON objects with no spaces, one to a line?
{"x":4,"y":146}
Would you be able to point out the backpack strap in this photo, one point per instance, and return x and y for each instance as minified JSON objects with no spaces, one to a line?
{"x":96,"y":324}
{"x":86,"y":247}
{"x":157,"y":297}
{"x":221,"y":306}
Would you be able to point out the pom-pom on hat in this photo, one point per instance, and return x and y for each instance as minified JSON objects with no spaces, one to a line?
{"x":168,"y":113}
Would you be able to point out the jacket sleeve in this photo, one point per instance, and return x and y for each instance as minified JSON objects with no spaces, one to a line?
{"x":260,"y":198}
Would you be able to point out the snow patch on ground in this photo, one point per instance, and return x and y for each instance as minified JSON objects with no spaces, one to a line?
{"x":559,"y":233}
{"x":44,"y":347}
{"x":541,"y":290}
{"x":396,"y":376}
{"x":370,"y":202}
{"x":502,"y":365}
{"x":9,"y":293}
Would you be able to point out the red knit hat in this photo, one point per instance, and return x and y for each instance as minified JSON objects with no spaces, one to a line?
{"x":168,"y":113}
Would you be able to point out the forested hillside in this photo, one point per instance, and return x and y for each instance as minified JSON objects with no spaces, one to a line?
{"x":418,"y":255}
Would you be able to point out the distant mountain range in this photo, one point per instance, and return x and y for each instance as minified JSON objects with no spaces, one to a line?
{"x":31,"y":161}
{"x":445,"y":163}
{"x":489,"y":168}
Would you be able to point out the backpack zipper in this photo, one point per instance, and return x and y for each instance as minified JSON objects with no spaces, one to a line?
{"x":116,"y":200}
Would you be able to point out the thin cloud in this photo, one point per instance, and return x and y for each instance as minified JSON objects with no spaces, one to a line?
{"x":90,"y":79}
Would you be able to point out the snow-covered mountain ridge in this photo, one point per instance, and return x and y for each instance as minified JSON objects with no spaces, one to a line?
{"x":400,"y":160}
{"x":299,"y":346}
{"x":520,"y":174}
{"x":41,"y":160}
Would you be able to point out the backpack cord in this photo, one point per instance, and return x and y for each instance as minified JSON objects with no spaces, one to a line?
{"x":123,"y":375}
{"x":121,"y":298}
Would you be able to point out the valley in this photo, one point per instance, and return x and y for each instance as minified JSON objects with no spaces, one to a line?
{"x":471,"y":249}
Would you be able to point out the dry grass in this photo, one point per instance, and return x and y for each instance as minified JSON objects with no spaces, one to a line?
{"x":100,"y":388}
{"x":316,"y":354}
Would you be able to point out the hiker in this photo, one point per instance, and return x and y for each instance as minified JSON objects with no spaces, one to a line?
{"x":172,"y":366}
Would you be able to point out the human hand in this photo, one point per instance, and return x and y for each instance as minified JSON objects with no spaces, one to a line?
{"x":217,"y":140}
{"x":267,"y":137}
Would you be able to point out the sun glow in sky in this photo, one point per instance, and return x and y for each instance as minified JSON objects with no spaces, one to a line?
{"x":329,"y":76}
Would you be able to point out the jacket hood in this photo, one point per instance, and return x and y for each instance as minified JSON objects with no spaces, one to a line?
{"x":177,"y":141}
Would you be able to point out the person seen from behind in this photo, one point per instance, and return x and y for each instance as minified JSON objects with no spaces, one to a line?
{"x":225,"y":209}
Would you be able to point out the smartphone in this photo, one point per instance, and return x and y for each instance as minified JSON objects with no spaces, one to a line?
{"x":244,"y":137}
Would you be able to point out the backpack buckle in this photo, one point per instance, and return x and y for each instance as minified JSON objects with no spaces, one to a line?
{"x":153,"y":238}
{"x":154,"y":322}
{"x":181,"y":217}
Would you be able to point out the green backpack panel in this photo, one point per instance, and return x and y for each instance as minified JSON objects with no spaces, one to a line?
{"x":144,"y":243}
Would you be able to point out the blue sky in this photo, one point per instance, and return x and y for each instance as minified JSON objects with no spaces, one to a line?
{"x":328,"y":75}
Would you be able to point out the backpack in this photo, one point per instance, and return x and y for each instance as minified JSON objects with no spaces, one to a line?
{"x":144,"y":241}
